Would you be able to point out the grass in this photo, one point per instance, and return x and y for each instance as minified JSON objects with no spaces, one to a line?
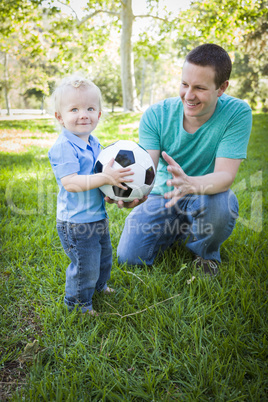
{"x":164,"y":335}
{"x":41,"y":125}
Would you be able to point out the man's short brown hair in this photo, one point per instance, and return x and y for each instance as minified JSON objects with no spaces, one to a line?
{"x":214,"y":56}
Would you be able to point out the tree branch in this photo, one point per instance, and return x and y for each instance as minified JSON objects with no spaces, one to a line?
{"x":152,"y":16}
{"x":67,"y":5}
{"x":87,"y":17}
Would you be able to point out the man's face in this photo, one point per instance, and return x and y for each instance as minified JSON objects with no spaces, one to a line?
{"x":198,"y":91}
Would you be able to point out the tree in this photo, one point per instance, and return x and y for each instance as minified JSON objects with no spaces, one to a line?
{"x":240,"y":26}
{"x":108,"y":80}
{"x":5,"y":83}
{"x":255,"y":49}
{"x":22,"y":42}
{"x":120,"y":14}
{"x":149,"y":67}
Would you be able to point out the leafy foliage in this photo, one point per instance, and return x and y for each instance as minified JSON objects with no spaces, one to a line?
{"x":109,"y":81}
{"x":40,"y":43}
{"x":23,"y":47}
{"x":240,"y":27}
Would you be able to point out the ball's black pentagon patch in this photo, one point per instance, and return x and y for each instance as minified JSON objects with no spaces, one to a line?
{"x":149,"y":176}
{"x":98,"y":167}
{"x":120,"y":192}
{"x":125,"y":158}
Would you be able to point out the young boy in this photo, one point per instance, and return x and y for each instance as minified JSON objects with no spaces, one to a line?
{"x":82,"y":222}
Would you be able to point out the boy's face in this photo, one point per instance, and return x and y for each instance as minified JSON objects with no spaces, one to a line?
{"x":198,"y":91}
{"x":79,"y":111}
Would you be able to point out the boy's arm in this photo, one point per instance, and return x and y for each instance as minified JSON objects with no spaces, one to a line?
{"x":75,"y":183}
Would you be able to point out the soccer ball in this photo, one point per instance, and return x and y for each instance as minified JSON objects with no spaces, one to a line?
{"x":128,"y":153}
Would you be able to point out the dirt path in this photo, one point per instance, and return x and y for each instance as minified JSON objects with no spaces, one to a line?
{"x":16,"y":140}
{"x":26,"y":116}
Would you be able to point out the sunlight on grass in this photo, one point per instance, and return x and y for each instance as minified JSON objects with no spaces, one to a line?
{"x":164,"y":335}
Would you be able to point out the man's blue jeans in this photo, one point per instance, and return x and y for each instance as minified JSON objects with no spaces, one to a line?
{"x":88,"y":246}
{"x":203,"y":222}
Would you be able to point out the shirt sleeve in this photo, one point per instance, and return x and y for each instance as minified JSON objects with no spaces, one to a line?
{"x":149,"y":130}
{"x":64,"y":159}
{"x":236,"y":137}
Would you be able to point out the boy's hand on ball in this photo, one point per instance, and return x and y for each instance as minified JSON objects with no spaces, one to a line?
{"x":115,"y":177}
{"x":128,"y":173}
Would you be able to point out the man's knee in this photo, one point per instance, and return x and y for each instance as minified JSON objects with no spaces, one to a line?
{"x":221,"y":211}
{"x":127,"y":257}
{"x":131,"y":250}
{"x":225,"y":205}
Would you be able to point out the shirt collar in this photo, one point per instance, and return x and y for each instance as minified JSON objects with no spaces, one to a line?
{"x":75,"y":139}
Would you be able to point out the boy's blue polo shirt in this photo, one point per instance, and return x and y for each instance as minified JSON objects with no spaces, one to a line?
{"x":70,"y":154}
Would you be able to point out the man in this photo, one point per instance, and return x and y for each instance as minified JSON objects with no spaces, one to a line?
{"x":197,"y":142}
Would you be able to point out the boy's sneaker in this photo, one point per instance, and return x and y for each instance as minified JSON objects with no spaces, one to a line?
{"x":207,"y":267}
{"x":108,"y":291}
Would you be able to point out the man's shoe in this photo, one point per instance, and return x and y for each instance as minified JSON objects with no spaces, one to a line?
{"x":207,"y":267}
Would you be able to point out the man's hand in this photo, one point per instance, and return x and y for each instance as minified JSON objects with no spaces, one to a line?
{"x":180,"y":181}
{"x":122,"y":204}
{"x":212,"y":183}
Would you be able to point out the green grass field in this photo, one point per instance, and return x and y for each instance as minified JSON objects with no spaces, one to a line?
{"x":167,"y":334}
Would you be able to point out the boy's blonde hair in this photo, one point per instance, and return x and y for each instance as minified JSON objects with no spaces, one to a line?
{"x":75,"y":81}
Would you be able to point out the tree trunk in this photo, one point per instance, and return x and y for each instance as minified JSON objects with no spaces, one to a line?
{"x":130,"y":102}
{"x":42,"y":104}
{"x":143,"y":75}
{"x":6,"y":83}
{"x":151,"y":101}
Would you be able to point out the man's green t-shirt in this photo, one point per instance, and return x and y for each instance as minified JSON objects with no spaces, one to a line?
{"x":224,"y":135}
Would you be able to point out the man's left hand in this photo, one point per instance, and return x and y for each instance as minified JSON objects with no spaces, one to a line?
{"x":180,"y":181}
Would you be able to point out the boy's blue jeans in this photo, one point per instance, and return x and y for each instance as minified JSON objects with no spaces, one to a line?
{"x":203,"y":222}
{"x":88,"y":246}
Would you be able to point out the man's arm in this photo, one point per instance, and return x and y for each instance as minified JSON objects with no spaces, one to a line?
{"x":220,"y":180}
{"x":155,"y":155}
{"x":217,"y":182}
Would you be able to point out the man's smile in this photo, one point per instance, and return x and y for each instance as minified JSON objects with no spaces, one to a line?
{"x":191,"y":103}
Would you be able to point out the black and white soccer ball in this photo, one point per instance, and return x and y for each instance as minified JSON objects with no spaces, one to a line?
{"x":128,"y":153}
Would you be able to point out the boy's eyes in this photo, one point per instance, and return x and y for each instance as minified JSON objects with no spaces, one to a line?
{"x":75,"y":109}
